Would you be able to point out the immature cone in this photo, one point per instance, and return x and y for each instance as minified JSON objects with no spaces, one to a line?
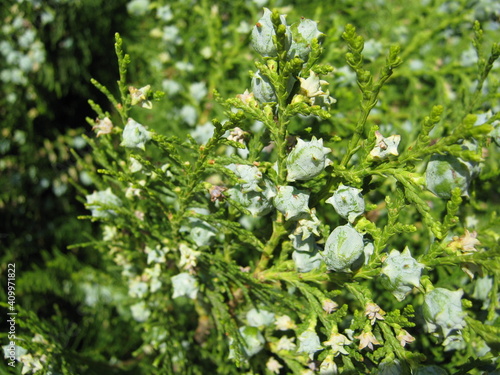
{"x":291,"y":202}
{"x":307,"y":159}
{"x":443,"y":308}
{"x":262,"y":88}
{"x":303,"y":32}
{"x":445,"y":173}
{"x":104,"y":197}
{"x":135,"y":135}
{"x":401,"y":273}
{"x":342,"y":248}
{"x":263,"y":32}
{"x":348,"y":202}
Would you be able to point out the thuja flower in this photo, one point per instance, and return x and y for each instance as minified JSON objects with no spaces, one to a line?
{"x":286,"y":343}
{"x":217,"y":193}
{"x":303,"y":34}
{"x":140,"y":96}
{"x":273,"y":365}
{"x":328,"y":366}
{"x":140,"y":311}
{"x":311,"y":86}
{"x":184,"y":284}
{"x":385,"y":146}
{"x":300,"y":244}
{"x":135,"y":135}
{"x":284,"y":323}
{"x":367,"y":340}
{"x":374,"y":312}
{"x":466,"y":243}
{"x":404,"y":337}
{"x":248,"y":98}
{"x":337,"y":341}
{"x":329,"y":306}
{"x":237,"y":135}
{"x":188,"y":258}
{"x":135,"y":165}
{"x":103,"y":126}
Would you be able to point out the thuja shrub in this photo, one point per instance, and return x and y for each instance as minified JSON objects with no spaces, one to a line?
{"x":298,"y":239}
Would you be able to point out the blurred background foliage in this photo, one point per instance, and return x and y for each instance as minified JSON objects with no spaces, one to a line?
{"x":51,"y":48}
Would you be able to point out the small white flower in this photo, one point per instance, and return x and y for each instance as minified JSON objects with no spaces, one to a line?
{"x":188,"y":257}
{"x":337,"y":341}
{"x":104,"y":126}
{"x":284,"y":323}
{"x":273,"y":365}
{"x":140,"y":96}
{"x":385,"y":146}
{"x":404,"y":337}
{"x":374,"y":312}
{"x":367,"y":339}
{"x":311,"y":86}
{"x":237,"y":135}
{"x":329,"y":306}
{"x":286,"y":343}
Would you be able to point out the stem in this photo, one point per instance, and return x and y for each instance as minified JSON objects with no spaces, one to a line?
{"x":267,"y":254}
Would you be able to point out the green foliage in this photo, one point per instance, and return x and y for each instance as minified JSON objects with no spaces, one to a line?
{"x":220,"y":248}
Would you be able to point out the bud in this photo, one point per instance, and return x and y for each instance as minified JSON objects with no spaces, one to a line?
{"x":443,"y":308}
{"x":307,"y":160}
{"x":342,"y":248}
{"x":401,"y":273}
{"x":348,"y":202}
{"x":291,"y":202}
{"x":445,"y":173}
{"x":135,"y":135}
